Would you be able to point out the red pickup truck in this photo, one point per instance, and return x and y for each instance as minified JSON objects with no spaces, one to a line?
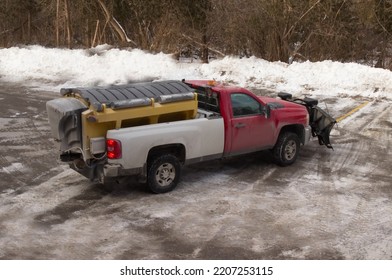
{"x":230,"y":121}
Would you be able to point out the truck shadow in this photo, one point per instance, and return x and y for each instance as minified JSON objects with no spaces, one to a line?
{"x":236,"y":166}
{"x":68,"y":209}
{"x":89,"y":198}
{"x":235,"y":163}
{"x":94,"y":193}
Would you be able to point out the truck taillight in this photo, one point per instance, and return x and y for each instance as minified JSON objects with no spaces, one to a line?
{"x":113,"y":149}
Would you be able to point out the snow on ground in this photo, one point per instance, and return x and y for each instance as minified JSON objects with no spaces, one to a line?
{"x":52,"y":69}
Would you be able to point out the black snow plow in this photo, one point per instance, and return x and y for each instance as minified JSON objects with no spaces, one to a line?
{"x":320,"y":121}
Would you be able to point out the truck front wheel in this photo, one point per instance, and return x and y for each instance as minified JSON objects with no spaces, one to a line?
{"x":286,"y":149}
{"x":163,"y":173}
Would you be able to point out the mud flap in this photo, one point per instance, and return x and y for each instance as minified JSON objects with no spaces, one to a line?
{"x":321,"y":123}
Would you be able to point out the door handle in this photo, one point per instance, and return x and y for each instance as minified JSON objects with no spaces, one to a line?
{"x":239,"y":125}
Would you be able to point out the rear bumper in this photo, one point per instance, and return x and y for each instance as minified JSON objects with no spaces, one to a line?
{"x":99,"y":172}
{"x":116,"y":170}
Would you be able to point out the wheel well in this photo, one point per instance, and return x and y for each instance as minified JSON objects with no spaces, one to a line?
{"x":297,"y":129}
{"x":177,"y":150}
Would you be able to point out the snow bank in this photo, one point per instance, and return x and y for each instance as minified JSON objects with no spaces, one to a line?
{"x":55,"y":68}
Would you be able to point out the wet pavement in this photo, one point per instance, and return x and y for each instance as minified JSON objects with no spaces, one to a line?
{"x":328,"y":205}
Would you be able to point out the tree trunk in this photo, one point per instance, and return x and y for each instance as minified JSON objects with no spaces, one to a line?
{"x":68,"y":23}
{"x":29,"y":27}
{"x":204,"y":52}
{"x":58,"y":23}
{"x":95,"y":34}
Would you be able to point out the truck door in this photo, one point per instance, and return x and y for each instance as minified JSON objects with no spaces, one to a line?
{"x":251,"y":130}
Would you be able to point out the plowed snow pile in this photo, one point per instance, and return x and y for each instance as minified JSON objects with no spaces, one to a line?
{"x":52,"y":69}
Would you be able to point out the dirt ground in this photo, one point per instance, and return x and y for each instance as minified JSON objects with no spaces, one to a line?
{"x":328,"y":205}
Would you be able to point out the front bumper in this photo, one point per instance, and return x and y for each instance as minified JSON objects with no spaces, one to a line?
{"x":307,"y":135}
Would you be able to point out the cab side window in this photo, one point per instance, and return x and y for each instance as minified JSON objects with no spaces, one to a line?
{"x":244,"y":105}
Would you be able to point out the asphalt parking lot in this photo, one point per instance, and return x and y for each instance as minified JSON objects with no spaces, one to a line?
{"x":328,"y":205}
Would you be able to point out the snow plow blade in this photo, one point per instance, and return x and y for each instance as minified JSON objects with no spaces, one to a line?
{"x":322,"y":124}
{"x":320,"y":121}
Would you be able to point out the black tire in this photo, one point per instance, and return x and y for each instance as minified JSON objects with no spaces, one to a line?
{"x":163,"y":173}
{"x":286,"y":149}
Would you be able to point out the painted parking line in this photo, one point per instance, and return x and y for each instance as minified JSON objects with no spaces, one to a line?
{"x":356,"y":109}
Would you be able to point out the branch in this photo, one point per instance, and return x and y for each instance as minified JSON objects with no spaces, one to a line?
{"x":203,"y":45}
{"x":115,"y":24}
{"x":307,"y":12}
{"x":10,"y":30}
{"x":382,"y":26}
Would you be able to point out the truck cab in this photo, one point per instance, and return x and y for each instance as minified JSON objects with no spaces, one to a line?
{"x":252,"y":123}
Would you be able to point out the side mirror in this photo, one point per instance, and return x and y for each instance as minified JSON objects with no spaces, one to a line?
{"x":267,"y":111}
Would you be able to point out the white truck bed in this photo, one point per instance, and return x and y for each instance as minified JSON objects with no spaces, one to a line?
{"x":201,"y":138}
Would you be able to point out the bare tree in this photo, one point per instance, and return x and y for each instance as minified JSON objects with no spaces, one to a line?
{"x":285,"y":30}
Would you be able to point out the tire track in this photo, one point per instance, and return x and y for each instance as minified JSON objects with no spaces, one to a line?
{"x":26,"y":151}
{"x":361,"y":153}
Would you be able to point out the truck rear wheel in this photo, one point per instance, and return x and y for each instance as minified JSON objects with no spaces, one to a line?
{"x":163,"y":173}
{"x":286,"y":149}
